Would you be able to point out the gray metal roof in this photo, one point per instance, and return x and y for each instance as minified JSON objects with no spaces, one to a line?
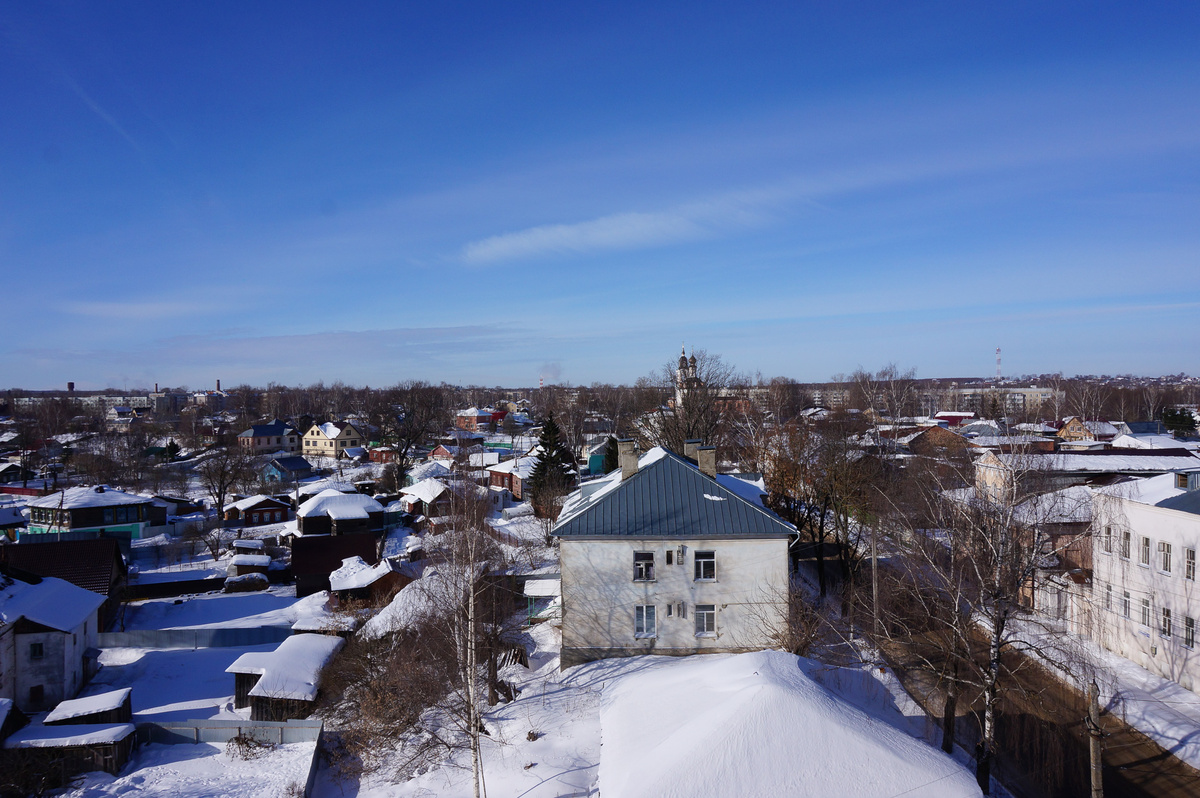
{"x":668,"y":497}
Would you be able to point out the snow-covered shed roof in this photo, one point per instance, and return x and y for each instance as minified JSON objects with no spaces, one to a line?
{"x":255,"y":560}
{"x":292,"y":671}
{"x":339,"y":506}
{"x":94,"y":496}
{"x":1158,"y":491}
{"x":358,"y":573}
{"x":52,"y":602}
{"x":315,"y":487}
{"x":251,"y":501}
{"x":89,"y":705}
{"x":428,"y":470}
{"x":520,"y":466}
{"x":668,"y":496}
{"x":762,"y":727}
{"x":427,"y":490}
{"x":36,"y":735}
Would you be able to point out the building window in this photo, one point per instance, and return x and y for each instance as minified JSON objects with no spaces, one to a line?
{"x":1189,"y":564}
{"x":1108,"y":597}
{"x":1164,"y":556}
{"x":670,"y":557}
{"x":1125,"y":604}
{"x":1164,"y":627}
{"x":706,"y":620}
{"x":1181,"y":481}
{"x":643,"y":566}
{"x":1145,"y":612}
{"x":706,"y":566}
{"x":1144,"y":552}
{"x":1189,"y":632}
{"x":36,"y":651}
{"x":1108,"y":543}
{"x":1125,"y":544}
{"x":643,"y":621}
{"x":37,"y":694}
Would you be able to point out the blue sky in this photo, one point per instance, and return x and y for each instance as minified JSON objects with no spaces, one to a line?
{"x":488,"y":193}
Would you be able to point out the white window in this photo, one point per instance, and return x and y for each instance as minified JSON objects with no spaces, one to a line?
{"x":643,"y":566}
{"x":1125,"y":544}
{"x":1189,"y":632}
{"x":706,"y":620}
{"x":1125,"y":603}
{"x":643,"y":621}
{"x":1189,"y":564}
{"x":1164,"y":556}
{"x":1108,"y":597}
{"x":1145,"y":612}
{"x":706,"y":566}
{"x":1108,"y":540}
{"x":1144,"y":552}
{"x":1164,"y":626}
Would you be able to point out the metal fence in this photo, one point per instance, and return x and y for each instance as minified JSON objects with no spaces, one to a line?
{"x":194,"y":638}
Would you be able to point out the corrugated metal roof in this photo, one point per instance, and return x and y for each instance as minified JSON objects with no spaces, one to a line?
{"x":668,"y":497}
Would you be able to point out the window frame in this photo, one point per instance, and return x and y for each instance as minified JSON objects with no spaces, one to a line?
{"x":1164,"y":556}
{"x":1145,"y":612}
{"x":1164,"y":622}
{"x":704,"y":561}
{"x":1144,"y":550}
{"x":37,"y":651}
{"x":645,"y":617}
{"x":1106,"y":543}
{"x":1126,"y":544}
{"x":705,"y":617}
{"x":643,"y":566}
{"x":1189,"y":564}
{"x":1126,"y":605}
{"x":1189,"y":632}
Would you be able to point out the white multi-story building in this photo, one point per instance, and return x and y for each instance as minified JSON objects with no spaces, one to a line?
{"x":1144,"y":596}
{"x":665,"y":557}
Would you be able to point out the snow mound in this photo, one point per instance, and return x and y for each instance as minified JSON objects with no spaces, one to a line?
{"x":755,"y":725}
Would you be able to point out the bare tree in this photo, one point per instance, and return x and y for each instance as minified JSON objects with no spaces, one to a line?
{"x":700,"y":394}
{"x":225,"y":468}
{"x":411,"y":414}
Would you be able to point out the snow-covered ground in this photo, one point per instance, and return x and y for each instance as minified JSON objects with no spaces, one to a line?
{"x":173,"y":685}
{"x":277,"y":606}
{"x":766,"y":724}
{"x":204,"y":771}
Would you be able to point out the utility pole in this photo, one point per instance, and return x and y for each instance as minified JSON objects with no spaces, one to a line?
{"x":1095,"y":733}
{"x":875,"y":579}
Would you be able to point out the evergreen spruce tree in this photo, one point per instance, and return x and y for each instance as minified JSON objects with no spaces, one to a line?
{"x":553,"y":472}
{"x":612,"y":460}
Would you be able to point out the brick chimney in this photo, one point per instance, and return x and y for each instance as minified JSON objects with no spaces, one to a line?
{"x":627,"y":456}
{"x":706,"y":460}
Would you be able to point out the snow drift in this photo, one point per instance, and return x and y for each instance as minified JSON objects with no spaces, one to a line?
{"x":756,"y":725}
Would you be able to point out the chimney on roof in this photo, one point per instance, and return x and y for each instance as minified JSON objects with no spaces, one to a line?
{"x":99,"y":488}
{"x":706,"y":460}
{"x":70,"y":387}
{"x":628,"y":458}
{"x":690,"y":447}
{"x":218,"y":386}
{"x":156,"y":387}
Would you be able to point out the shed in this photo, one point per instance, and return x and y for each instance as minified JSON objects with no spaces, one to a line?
{"x":283,"y":684}
{"x":315,"y":557}
{"x":242,"y":564}
{"x":80,"y":748}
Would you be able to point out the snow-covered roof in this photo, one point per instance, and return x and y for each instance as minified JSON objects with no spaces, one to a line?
{"x":36,"y":735}
{"x":543,"y":587}
{"x":250,"y":501}
{"x":89,"y":705}
{"x":1101,"y":428}
{"x":313,"y":488}
{"x":1152,"y":441}
{"x":1067,"y":506}
{"x":332,"y":429}
{"x":249,"y":543}
{"x":483,"y":459}
{"x":428,"y":470}
{"x":520,"y":466}
{"x":427,"y":490}
{"x":52,"y":602}
{"x":752,"y":490}
{"x":760,"y":725}
{"x":1107,"y":461}
{"x":97,"y":496}
{"x":339,"y":506}
{"x":1158,"y":491}
{"x":296,"y":671}
{"x":357,"y":573}
{"x":292,"y":671}
{"x":259,"y":560}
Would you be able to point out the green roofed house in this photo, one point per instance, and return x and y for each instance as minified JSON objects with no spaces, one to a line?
{"x":665,"y":556}
{"x":95,"y":509}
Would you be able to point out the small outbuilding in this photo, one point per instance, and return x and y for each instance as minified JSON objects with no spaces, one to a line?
{"x":283,"y":684}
